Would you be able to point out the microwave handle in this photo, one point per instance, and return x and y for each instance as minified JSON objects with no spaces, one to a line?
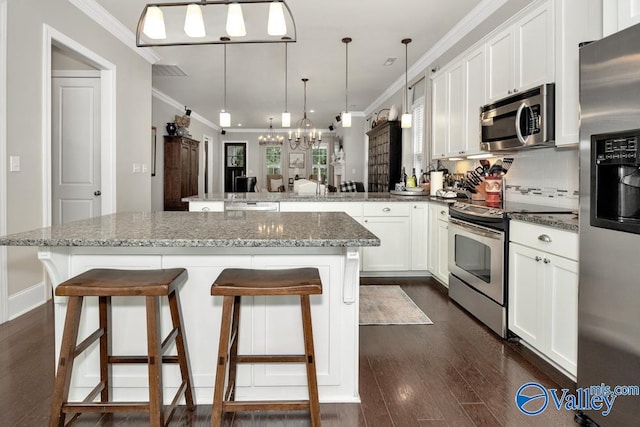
{"x":518,"y":130}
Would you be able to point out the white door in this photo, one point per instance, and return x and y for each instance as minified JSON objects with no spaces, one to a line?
{"x":455,"y":94}
{"x":75,"y":149}
{"x":526,"y":293}
{"x":500,"y":64}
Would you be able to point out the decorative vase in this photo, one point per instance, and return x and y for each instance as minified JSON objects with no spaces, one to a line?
{"x":182,"y":131}
{"x":171,"y":128}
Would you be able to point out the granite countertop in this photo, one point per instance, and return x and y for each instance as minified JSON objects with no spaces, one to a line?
{"x":568,"y":221}
{"x":204,"y":229}
{"x":329,"y":197}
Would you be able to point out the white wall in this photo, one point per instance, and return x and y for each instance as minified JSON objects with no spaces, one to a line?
{"x":25,"y":122}
{"x":355,"y":149}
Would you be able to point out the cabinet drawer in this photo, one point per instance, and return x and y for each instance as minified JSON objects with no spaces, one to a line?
{"x":559,"y":242}
{"x":387,"y":209}
{"x":206,"y":206}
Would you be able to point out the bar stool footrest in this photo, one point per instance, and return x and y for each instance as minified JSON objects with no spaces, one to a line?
{"x":72,"y":407}
{"x":268,"y":405}
{"x":140,"y":359}
{"x":272,"y":358}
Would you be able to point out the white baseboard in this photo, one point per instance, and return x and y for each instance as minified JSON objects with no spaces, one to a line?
{"x":27,"y":299}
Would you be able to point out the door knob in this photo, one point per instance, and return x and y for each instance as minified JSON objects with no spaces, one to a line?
{"x":97,"y":193}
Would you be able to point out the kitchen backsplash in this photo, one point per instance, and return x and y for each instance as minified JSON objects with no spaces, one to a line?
{"x":546,"y":176}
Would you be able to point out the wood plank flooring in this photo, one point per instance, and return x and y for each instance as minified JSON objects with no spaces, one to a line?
{"x":452,"y":373}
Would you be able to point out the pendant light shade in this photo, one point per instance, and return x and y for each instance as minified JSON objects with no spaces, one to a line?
{"x":154,"y":24}
{"x":346,"y":115}
{"x":276,"y":25}
{"x":225,"y":119}
{"x":346,"y":119}
{"x":193,"y":22}
{"x":406,"y":117}
{"x":235,"y":21}
{"x":286,"y":119}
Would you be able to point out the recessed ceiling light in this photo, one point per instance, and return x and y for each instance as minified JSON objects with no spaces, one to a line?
{"x":389,"y":61}
{"x":312,"y":111}
{"x":239,"y":124}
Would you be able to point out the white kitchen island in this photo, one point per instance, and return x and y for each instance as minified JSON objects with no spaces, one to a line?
{"x":205,"y":243}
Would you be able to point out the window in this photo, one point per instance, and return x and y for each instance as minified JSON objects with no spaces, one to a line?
{"x":319,"y":162}
{"x":417,"y":133}
{"x":274,"y":160}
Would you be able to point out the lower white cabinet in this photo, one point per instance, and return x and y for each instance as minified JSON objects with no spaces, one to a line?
{"x":543,"y":291}
{"x":438,"y":238}
{"x":393,"y":252}
{"x":419,"y":231}
{"x":217,"y":206}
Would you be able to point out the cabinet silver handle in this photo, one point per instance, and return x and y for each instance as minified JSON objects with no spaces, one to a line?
{"x":366,"y":220}
{"x":97,"y":193}
{"x":537,"y":258}
{"x":205,"y":209}
{"x":443,"y":213}
{"x":415,"y":207}
{"x":386,"y":210}
{"x":544,"y":238}
{"x":547,"y":261}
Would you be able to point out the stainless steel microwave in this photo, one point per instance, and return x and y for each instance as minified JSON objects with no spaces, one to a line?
{"x":523,"y":120}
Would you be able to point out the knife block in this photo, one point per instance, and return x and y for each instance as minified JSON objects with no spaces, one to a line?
{"x":480,"y":194}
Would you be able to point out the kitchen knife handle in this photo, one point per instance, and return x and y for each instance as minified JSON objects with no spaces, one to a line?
{"x":544,"y":238}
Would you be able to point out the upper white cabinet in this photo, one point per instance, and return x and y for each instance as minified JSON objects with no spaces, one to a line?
{"x":539,"y":45}
{"x":521,"y":56}
{"x":458,"y":92}
{"x":619,"y":14}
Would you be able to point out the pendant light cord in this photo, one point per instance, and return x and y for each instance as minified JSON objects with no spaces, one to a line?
{"x":286,"y":80}
{"x":225,"y":77}
{"x":406,"y":78}
{"x":346,"y":79}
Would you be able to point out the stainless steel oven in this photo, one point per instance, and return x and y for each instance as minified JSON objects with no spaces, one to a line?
{"x":477,"y":264}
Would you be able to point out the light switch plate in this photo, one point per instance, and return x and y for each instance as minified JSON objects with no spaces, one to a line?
{"x":14,"y":163}
{"x":136,"y":168}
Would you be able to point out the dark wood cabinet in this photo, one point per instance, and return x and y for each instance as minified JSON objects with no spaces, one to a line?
{"x":180,"y":171}
{"x":385,"y":156}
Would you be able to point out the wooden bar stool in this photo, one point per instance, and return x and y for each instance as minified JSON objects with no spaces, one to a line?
{"x":107,"y":283}
{"x":234,"y":283}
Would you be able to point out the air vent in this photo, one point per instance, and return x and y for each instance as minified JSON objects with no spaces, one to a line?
{"x":159,"y":70}
{"x":389,"y":61}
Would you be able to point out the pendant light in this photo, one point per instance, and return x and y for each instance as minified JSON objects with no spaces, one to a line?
{"x":346,"y":115}
{"x":235,"y":21}
{"x":225,"y":117}
{"x":286,"y":115}
{"x":406,"y":117}
{"x":193,"y":22}
{"x":154,"y":24}
{"x":276,"y":25}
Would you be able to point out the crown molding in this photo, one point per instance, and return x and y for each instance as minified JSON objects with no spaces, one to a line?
{"x":180,"y":107}
{"x":99,"y":14}
{"x":474,"y":18}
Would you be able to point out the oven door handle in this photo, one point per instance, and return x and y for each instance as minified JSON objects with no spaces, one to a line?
{"x":476,"y":230}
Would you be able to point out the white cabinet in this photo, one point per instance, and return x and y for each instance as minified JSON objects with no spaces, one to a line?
{"x":353,"y":209}
{"x":620,"y":14}
{"x":439,"y":116}
{"x":521,"y":56}
{"x":390,"y":222}
{"x":475,"y":85}
{"x":419,"y":232}
{"x":438,"y":250}
{"x":543,"y":291}
{"x":576,"y":21}
{"x":458,"y":92}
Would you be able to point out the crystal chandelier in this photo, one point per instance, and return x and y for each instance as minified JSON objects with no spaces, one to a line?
{"x":305,"y":135}
{"x":271,"y":137}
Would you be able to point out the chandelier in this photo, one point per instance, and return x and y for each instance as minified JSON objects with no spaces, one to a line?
{"x":305,"y":135}
{"x":271,"y":137}
{"x":207,"y":22}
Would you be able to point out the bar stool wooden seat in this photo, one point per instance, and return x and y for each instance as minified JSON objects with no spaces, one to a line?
{"x":233,"y":283}
{"x":107,"y":283}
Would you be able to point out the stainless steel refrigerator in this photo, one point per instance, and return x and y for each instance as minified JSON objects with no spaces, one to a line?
{"x":609,"y":289}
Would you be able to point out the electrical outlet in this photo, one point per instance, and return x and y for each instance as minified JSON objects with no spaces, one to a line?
{"x":145,"y":169}
{"x":14,"y":163}
{"x":136,"y":168}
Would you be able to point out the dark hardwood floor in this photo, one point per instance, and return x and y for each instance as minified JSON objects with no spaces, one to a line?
{"x":452,"y":373}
